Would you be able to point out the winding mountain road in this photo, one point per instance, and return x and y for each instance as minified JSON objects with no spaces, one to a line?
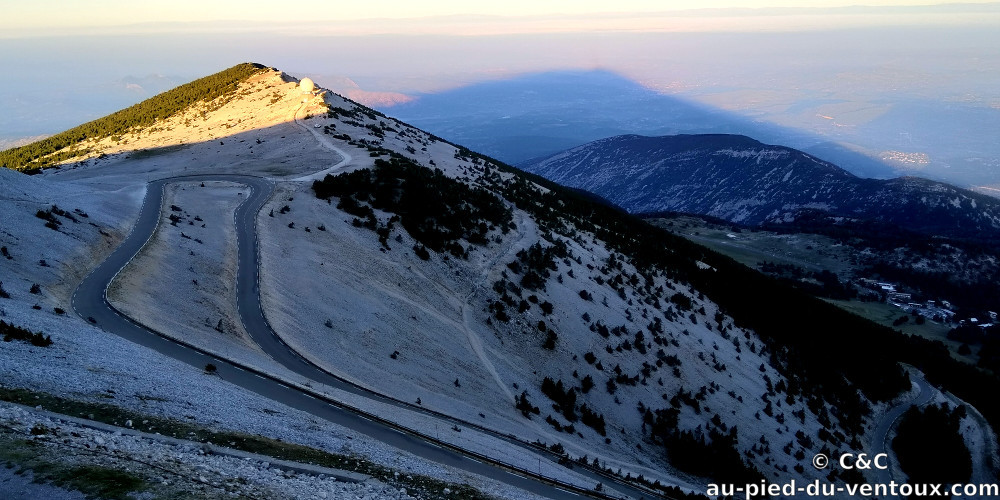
{"x":90,"y":302}
{"x":880,"y":438}
{"x":984,"y":471}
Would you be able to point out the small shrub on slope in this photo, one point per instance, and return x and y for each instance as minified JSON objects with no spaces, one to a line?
{"x":11,"y":332}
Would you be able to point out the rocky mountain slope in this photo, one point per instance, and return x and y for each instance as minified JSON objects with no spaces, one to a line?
{"x":741,"y":180}
{"x":481,"y":301}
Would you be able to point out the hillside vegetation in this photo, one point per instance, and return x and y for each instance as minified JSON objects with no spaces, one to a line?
{"x":674,"y":286}
{"x":829,"y":354}
{"x":436,"y":210}
{"x":826,"y":354}
{"x":62,"y":146}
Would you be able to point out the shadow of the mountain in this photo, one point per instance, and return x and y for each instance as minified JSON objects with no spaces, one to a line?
{"x":538,"y":114}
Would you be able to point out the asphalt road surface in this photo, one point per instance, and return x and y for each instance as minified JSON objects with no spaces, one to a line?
{"x":881,"y":435}
{"x":90,"y":302}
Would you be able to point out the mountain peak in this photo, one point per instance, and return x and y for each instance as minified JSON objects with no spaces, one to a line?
{"x":240,"y":98}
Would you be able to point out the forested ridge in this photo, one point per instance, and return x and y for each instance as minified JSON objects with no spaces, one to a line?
{"x":46,"y":152}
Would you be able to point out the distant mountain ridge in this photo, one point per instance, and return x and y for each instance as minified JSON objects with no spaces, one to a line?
{"x":739,"y":179}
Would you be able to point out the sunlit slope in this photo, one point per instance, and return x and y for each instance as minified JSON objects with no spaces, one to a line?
{"x":80,"y":141}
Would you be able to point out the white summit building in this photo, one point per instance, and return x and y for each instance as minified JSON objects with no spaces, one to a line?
{"x":307,"y":86}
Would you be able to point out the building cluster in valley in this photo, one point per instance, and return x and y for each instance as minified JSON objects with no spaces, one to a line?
{"x":937,"y":310}
{"x":940,"y":311}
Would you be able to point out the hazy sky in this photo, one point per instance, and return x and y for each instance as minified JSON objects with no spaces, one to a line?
{"x":881,"y":72}
{"x":28,"y":18}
